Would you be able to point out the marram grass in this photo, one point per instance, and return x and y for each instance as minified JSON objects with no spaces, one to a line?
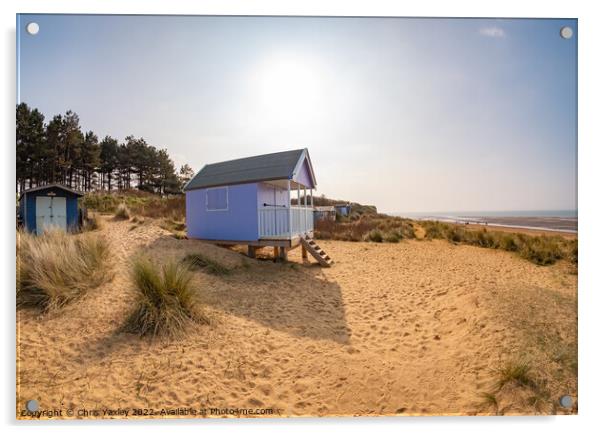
{"x":56,"y":267}
{"x":167,"y":304}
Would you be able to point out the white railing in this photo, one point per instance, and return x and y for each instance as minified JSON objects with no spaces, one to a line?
{"x":276,"y":221}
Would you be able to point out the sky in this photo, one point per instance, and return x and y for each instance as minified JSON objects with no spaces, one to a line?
{"x":408,"y":114}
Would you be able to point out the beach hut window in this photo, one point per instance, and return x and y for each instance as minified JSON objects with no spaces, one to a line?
{"x":217,"y":199}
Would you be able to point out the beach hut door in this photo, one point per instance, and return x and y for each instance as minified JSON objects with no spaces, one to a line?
{"x":50,"y":211}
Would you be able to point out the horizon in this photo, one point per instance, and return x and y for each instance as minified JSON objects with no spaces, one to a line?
{"x":553,"y":213}
{"x":419,"y":114}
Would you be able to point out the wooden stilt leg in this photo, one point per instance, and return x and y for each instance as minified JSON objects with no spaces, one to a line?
{"x":275,"y":252}
{"x":251,"y":251}
{"x":283,"y":254}
{"x":303,"y":252}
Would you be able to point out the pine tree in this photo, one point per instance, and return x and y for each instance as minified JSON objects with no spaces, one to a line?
{"x":54,"y":143}
{"x":169,"y":183}
{"x":109,"y":160}
{"x":59,"y":152}
{"x":70,"y":150}
{"x":30,"y":144}
{"x":90,"y":159}
{"x":186,"y":173}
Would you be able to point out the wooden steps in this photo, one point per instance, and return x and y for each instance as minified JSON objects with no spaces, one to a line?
{"x":316,"y":251}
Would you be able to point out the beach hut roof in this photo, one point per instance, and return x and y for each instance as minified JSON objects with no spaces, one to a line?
{"x":49,"y":186}
{"x":268,"y":167}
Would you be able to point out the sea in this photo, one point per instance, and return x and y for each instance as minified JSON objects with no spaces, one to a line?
{"x":549,"y":220}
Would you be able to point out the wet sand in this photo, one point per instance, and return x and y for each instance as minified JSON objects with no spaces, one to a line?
{"x":569,"y":235}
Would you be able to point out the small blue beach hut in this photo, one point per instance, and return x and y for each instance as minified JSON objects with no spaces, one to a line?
{"x":343,"y":209}
{"x":46,"y":206}
{"x":248,"y":201}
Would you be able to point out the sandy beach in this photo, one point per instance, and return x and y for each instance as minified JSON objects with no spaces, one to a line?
{"x":418,"y":327}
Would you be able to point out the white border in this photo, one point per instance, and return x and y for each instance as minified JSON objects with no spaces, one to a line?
{"x":590,"y":208}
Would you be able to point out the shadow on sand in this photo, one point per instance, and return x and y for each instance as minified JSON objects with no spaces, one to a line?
{"x":290,"y":297}
{"x":293,"y":298}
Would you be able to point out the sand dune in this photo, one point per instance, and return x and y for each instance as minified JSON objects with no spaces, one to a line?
{"x":417,"y":327}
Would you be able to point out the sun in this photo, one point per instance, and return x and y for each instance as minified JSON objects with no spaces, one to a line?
{"x":289,"y":89}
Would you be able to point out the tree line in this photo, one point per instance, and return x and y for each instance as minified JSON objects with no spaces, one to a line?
{"x":59,"y":152}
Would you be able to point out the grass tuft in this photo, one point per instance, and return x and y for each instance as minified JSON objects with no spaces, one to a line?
{"x":198,"y":260}
{"x":56,"y":268}
{"x":177,"y":228}
{"x":167,"y":304}
{"x":180,"y":235}
{"x":122,"y":212}
{"x":92,"y":223}
{"x":542,"y":250}
{"x":516,"y":386}
{"x":392,"y":237}
{"x":490,"y":401}
{"x":515,"y":372}
{"x":374,"y":235}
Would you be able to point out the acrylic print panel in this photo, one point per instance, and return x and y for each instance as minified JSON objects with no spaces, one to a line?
{"x":295,"y":216}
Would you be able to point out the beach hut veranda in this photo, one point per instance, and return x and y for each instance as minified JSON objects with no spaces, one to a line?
{"x":53,"y":205}
{"x":248,"y":200}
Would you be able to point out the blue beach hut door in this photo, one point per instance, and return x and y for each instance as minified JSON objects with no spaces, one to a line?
{"x":50,"y":211}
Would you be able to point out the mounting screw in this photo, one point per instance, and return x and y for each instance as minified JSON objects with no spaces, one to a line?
{"x":32,"y":405}
{"x":566,"y":32}
{"x":566,"y":401}
{"x":32,"y":28}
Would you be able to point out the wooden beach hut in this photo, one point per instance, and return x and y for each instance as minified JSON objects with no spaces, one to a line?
{"x":46,"y":206}
{"x":325,"y":213}
{"x":248,"y":201}
{"x":343,"y":209}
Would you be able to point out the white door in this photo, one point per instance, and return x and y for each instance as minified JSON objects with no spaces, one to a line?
{"x":50,"y":211}
{"x":59,"y":212}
